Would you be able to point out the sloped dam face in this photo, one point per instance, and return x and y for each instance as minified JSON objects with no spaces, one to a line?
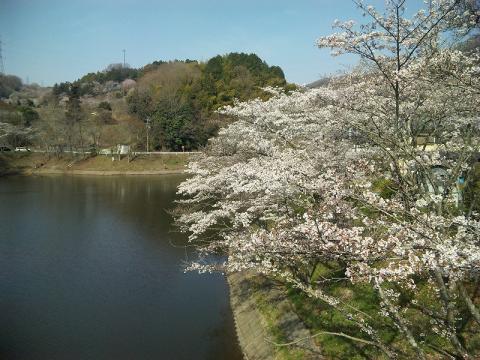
{"x":91,"y":268}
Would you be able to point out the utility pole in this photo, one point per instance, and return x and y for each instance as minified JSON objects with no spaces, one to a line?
{"x":2,"y":65}
{"x":123,"y":58}
{"x":148,"y":130}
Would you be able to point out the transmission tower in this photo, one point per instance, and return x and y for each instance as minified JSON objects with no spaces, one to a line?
{"x":2,"y":66}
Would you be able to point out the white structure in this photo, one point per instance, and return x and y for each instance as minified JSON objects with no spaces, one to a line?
{"x":123,"y":149}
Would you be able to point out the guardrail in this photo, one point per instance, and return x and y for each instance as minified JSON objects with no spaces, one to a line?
{"x":165,"y":152}
{"x":116,"y":153}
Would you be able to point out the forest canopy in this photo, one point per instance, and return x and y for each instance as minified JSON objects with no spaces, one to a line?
{"x":180,"y":97}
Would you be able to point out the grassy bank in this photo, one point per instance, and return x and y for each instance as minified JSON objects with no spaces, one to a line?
{"x":38,"y":163}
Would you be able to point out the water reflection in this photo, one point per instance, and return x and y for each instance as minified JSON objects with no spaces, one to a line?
{"x":87,"y":271}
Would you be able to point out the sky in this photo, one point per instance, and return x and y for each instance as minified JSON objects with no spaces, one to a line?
{"x":49,"y":41}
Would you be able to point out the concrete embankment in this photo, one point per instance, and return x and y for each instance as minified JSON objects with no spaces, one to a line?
{"x":264,"y":318}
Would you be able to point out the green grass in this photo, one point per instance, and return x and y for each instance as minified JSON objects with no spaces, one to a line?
{"x":272,"y":312}
{"x":318,"y":317}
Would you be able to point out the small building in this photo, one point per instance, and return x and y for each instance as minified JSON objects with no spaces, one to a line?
{"x":123,"y":149}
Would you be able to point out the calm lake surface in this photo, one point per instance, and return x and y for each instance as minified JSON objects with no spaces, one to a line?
{"x":90,"y":269}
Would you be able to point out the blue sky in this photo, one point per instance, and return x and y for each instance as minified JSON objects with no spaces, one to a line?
{"x":51,"y":41}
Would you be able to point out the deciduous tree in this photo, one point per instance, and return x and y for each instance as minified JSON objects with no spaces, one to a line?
{"x":295,"y":183}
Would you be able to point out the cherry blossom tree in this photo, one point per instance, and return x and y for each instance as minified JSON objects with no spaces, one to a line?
{"x":12,"y":135}
{"x":293,"y":183}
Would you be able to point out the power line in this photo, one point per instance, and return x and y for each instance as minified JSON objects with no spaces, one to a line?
{"x":2,"y":65}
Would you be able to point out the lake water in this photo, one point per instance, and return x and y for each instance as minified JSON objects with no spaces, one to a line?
{"x":90,"y":269}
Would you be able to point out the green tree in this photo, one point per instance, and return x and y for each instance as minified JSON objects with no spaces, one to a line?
{"x":73,"y":118}
{"x":29,"y":115}
{"x":181,"y":97}
{"x":105,"y":105}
